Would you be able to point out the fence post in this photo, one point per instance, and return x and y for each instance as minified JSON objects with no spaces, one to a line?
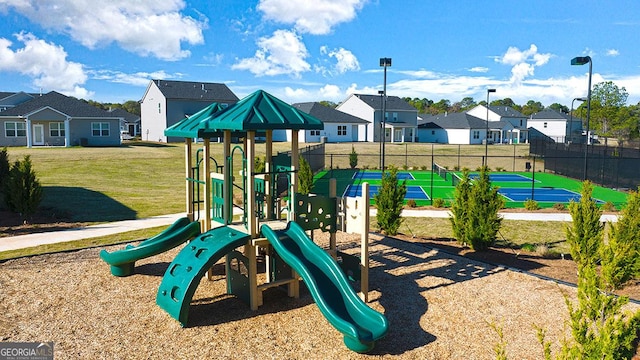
{"x":431,"y":190}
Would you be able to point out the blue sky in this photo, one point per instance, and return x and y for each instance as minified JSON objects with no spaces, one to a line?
{"x":299,"y":50}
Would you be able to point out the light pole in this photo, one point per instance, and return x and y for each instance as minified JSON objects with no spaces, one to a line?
{"x":581,"y":99}
{"x":581,"y":60}
{"x":381,"y":129}
{"x":486,"y":136}
{"x":384,"y":62}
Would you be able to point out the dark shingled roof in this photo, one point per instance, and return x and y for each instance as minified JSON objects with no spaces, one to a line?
{"x":67,"y":105}
{"x":506,"y":111}
{"x":129,"y":117}
{"x":196,"y":91}
{"x":327,"y":114}
{"x":393,"y":102}
{"x":459,"y":120}
{"x":549,"y":114}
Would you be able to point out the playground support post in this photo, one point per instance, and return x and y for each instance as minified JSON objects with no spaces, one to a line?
{"x":187,"y":174}
{"x":207,"y":184}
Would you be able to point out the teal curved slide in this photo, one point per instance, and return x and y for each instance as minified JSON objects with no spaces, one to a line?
{"x":123,"y":261}
{"x":338,"y":302}
{"x":183,"y":275}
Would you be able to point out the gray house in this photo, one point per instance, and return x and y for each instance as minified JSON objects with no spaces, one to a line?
{"x":553,"y":125}
{"x":166,"y":102}
{"x":499,"y":132}
{"x":401,"y":119}
{"x":54,"y":119}
{"x":130,"y":125}
{"x":338,"y":126}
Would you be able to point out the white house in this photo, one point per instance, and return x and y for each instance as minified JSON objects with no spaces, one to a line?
{"x":553,"y":125}
{"x":401,"y":120}
{"x":452,"y":128}
{"x":338,"y":126}
{"x":164,"y":103}
{"x":499,"y":132}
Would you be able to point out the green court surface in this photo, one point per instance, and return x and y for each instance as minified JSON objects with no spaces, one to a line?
{"x":515,"y":187}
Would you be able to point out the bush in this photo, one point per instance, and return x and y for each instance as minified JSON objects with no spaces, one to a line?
{"x":258,"y":164}
{"x":475,"y":218}
{"x":559,"y":206}
{"x":4,"y":168}
{"x":305,"y":176}
{"x":22,"y":192}
{"x":608,"y":206}
{"x":411,"y":203}
{"x":405,"y":167}
{"x":423,"y":167}
{"x":438,"y":203}
{"x":586,"y":232}
{"x":353,"y":158}
{"x":531,"y":204}
{"x":389,"y":201}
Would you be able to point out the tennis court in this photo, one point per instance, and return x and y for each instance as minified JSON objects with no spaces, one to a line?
{"x":413,"y":192}
{"x":551,"y":195}
{"x":423,"y":186}
{"x":504,"y":178}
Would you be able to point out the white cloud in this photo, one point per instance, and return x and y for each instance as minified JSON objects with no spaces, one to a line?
{"x":45,"y":63}
{"x":613,"y":52}
{"x":523,"y":62}
{"x":282,"y":53}
{"x":146,"y":28}
{"x":136,"y":79}
{"x":479,"y":69}
{"x":346,"y":61}
{"x":316,"y":17}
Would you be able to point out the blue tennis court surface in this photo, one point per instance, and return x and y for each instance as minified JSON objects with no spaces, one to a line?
{"x":503,"y":177}
{"x":541,"y":195}
{"x":373,"y":175}
{"x":413,"y":192}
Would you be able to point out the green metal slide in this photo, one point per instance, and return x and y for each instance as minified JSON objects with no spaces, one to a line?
{"x":330,"y":289}
{"x":123,"y":261}
{"x":183,"y":276}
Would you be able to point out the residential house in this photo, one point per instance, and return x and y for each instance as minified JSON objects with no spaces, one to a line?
{"x":555,"y":126}
{"x":166,"y":102}
{"x":130,"y":125}
{"x":54,"y":119}
{"x":338,"y":126}
{"x":451,"y":128}
{"x":401,"y":120}
{"x":499,"y":131}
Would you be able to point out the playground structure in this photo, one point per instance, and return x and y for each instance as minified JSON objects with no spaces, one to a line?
{"x":290,"y":253}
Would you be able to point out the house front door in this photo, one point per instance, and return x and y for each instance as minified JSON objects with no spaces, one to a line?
{"x":38,"y":134}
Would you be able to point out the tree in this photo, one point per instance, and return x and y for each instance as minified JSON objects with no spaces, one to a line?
{"x":353,"y":158}
{"x":389,"y":201}
{"x":4,"y":168}
{"x":475,"y":219}
{"x":23,"y":192}
{"x":532,"y":107}
{"x":586,"y":232}
{"x":559,"y":108}
{"x":328,"y":103}
{"x":621,"y":253}
{"x":305,"y":175}
{"x":606,"y":101}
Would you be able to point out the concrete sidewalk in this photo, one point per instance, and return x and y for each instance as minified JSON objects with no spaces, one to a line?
{"x":36,"y":239}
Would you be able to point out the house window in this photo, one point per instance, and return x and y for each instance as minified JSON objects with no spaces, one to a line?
{"x":520,"y":122}
{"x":545,"y":125}
{"x":476,"y":134}
{"x":56,"y":129}
{"x":342,"y":130}
{"x":395,"y":117}
{"x":314,"y":132}
{"x":433,"y":132}
{"x":15,"y":129}
{"x":100,"y":129}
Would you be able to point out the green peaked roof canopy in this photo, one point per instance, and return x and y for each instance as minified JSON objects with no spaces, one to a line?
{"x":258,"y":111}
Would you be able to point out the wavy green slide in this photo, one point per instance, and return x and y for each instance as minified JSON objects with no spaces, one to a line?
{"x":123,"y":261}
{"x":328,"y":285}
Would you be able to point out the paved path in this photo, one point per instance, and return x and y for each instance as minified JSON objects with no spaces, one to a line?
{"x":31,"y":240}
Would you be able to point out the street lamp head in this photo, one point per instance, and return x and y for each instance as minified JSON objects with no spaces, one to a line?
{"x":491,"y":90}
{"x":380,"y":92}
{"x":583,"y":99}
{"x":580,"y":60}
{"x":385,"y":61}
